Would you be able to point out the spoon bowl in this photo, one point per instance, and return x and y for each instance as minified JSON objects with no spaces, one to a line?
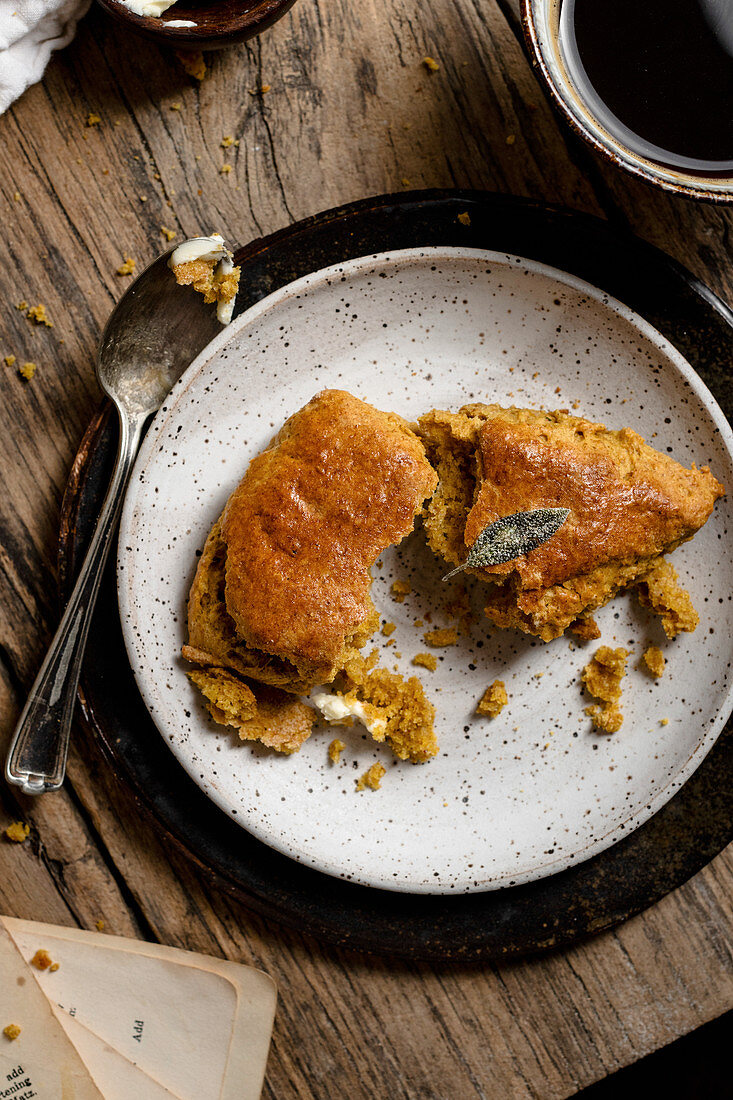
{"x":206,"y":25}
{"x":156,"y":329}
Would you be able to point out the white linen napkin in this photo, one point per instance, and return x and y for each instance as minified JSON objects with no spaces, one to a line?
{"x":29,"y":31}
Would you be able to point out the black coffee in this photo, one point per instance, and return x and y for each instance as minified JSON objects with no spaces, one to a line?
{"x":658,"y":75}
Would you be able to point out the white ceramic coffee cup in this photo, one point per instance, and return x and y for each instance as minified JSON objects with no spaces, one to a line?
{"x":541,"y":20}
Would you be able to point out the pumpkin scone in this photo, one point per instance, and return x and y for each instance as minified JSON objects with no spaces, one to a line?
{"x":629,"y":505}
{"x":281,"y":593}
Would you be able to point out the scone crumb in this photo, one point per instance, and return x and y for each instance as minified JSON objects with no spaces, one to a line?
{"x":654,"y":661}
{"x":53,"y":968}
{"x":42,"y":960}
{"x":192,"y":62}
{"x":388,"y":628}
{"x":11,"y":1031}
{"x":169,"y":234}
{"x":39,"y":315}
{"x":426,"y":660}
{"x":278,"y":720}
{"x":27,"y":371}
{"x":9,"y":360}
{"x":226,"y":141}
{"x":371,"y":778}
{"x":602,"y":677}
{"x":661,"y":591}
{"x":586,"y":628}
{"x":430,"y":64}
{"x":397,"y":712}
{"x":225,"y":169}
{"x":17,"y":832}
{"x":493,"y":700}
{"x":335,"y":749}
{"x":399,"y":590}
{"x":464,"y":218}
{"x":607,"y":718}
{"x":441,"y":636}
{"x":128,"y":267}
{"x":664,"y":721}
{"x":22,"y":305}
{"x":99,"y":925}
{"x":93,"y":120}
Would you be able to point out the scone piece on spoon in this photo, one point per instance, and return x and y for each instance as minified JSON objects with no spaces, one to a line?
{"x":206,"y":264}
{"x":629,"y":505}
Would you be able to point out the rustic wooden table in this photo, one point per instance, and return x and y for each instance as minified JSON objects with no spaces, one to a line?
{"x":331,"y":105}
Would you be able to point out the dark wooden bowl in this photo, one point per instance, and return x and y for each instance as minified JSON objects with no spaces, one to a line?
{"x":219,"y":23}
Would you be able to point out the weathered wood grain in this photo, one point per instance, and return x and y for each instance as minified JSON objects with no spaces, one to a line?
{"x":350,"y":111}
{"x":58,"y":874}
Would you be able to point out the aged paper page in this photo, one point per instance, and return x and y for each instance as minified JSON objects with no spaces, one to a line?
{"x":41,"y":1063}
{"x":198,"y":1026}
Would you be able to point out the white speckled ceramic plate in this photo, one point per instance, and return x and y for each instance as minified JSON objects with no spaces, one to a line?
{"x":507,"y":800}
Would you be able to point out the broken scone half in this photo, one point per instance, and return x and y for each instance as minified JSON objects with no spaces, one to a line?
{"x":281,"y":593}
{"x":629,"y":505}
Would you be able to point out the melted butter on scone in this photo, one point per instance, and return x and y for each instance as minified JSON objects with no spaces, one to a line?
{"x":337,"y":709}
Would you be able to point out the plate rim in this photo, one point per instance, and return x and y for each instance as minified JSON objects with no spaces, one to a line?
{"x":554,"y":913}
{"x":313,"y":282}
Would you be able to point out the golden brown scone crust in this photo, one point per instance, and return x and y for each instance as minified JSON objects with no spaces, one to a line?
{"x":626,"y":500}
{"x":340,"y":483}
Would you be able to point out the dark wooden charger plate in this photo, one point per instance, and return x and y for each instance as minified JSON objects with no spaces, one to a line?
{"x":663,"y":853}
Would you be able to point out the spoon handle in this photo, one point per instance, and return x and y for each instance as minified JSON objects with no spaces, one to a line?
{"x":37,"y":756}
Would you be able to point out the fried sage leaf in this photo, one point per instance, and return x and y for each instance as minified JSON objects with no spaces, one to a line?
{"x":513,"y":536}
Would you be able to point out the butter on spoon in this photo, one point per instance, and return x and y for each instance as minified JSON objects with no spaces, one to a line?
{"x":206,"y":264}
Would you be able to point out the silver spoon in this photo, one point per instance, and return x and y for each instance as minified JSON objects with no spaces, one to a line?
{"x":155,"y":330}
